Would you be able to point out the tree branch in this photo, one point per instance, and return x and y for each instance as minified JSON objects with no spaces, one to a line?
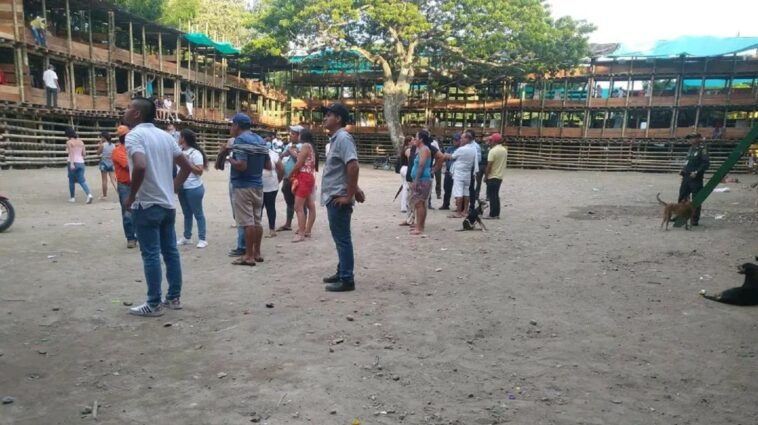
{"x":375,"y":59}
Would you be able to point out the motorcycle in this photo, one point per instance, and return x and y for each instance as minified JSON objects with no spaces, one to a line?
{"x":7,"y":213}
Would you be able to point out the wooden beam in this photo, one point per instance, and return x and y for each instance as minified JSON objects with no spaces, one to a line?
{"x":89,"y":33}
{"x":72,"y":82}
{"x":131,"y":42}
{"x":160,"y":51}
{"x":68,"y":26}
{"x":92,"y":85}
{"x":144,"y":48}
{"x":14,"y":11}
{"x":111,"y":71}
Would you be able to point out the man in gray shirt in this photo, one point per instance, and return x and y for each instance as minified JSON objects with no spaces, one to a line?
{"x":339,"y":190}
{"x":152,"y":153}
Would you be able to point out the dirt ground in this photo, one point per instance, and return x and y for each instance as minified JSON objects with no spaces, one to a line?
{"x":573,"y":309}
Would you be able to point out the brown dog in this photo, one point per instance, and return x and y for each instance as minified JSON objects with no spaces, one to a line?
{"x":683,"y":210}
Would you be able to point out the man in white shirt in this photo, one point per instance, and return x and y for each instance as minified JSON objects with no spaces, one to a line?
{"x":152,"y":153}
{"x":465,"y":164}
{"x":51,"y":86}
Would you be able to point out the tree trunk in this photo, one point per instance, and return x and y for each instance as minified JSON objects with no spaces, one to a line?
{"x":394,"y":95}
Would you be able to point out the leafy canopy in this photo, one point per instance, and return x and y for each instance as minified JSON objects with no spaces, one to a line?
{"x":472,"y":37}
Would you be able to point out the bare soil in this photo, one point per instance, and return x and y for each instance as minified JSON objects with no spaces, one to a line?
{"x":573,"y":309}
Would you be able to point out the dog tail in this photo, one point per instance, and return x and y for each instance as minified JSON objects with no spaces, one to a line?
{"x":658,"y":197}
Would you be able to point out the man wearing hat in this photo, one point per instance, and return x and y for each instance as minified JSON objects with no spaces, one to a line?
{"x":339,"y":190}
{"x":493,"y":174}
{"x":289,"y":156}
{"x":247,"y":186}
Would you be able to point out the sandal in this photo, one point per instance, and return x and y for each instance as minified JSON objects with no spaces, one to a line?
{"x":283,"y":229}
{"x":242,"y":262}
{"x":259,"y":260}
{"x":299,"y":239}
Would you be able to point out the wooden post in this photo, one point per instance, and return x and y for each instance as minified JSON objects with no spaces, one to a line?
{"x":44,"y":10}
{"x":68,"y":25}
{"x":237,"y":100}
{"x":111,"y":71}
{"x":178,"y":50}
{"x":72,"y":82}
{"x":160,"y":51}
{"x":144,"y":49}
{"x":89,"y":32}
{"x":14,"y":11}
{"x":19,"y":67}
{"x":647,"y":122}
{"x":131,"y":42}
{"x":92,"y":86}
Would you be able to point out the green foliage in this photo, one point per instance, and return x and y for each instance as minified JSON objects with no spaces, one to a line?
{"x":179,"y":12}
{"x":149,"y":9}
{"x":467,"y":37}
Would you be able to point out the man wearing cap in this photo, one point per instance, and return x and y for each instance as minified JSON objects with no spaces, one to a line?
{"x":339,"y":190}
{"x":121,"y":168}
{"x":247,"y":186}
{"x":289,"y":156}
{"x":493,"y":174}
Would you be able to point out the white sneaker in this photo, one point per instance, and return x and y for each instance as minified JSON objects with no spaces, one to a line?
{"x":183,"y":241}
{"x":202,"y":244}
{"x":72,"y":200}
{"x":145,"y":310}
{"x":89,"y":198}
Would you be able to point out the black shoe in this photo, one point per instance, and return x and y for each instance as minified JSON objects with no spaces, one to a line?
{"x":237,"y":252}
{"x":332,"y":279}
{"x":343,"y":285}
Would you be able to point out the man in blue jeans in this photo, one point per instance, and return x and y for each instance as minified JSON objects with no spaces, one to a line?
{"x":152,"y":153}
{"x":339,"y":190}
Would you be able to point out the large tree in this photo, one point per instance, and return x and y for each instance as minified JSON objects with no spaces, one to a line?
{"x":476,"y":38}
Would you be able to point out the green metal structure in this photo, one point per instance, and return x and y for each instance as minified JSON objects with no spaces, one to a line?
{"x":721,"y":172}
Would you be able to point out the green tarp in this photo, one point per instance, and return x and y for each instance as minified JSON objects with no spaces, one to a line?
{"x":697,"y":46}
{"x":203,"y":40}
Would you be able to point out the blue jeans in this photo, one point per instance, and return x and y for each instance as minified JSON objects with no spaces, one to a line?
{"x":39,"y":36}
{"x":191,"y":201}
{"x":156,"y":236}
{"x":126,"y":219}
{"x":339,"y":225}
{"x":77,"y":176}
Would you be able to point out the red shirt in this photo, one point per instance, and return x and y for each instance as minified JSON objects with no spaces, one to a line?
{"x":121,"y":164}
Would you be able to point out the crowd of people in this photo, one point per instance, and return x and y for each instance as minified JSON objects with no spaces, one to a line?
{"x":465,"y":163}
{"x":149,"y":168}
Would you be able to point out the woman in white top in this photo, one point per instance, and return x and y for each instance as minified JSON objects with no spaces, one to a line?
{"x":191,"y":195}
{"x":271,"y":180}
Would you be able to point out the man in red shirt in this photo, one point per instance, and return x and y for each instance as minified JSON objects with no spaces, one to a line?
{"x":121,"y":167}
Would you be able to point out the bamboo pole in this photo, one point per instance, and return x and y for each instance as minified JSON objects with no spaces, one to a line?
{"x":144,"y":50}
{"x":14,"y":11}
{"x":111,"y":71}
{"x":131,"y":57}
{"x":68,"y":26}
{"x":160,"y":51}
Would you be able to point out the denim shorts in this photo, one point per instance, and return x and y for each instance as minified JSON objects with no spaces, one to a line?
{"x":106,"y":166}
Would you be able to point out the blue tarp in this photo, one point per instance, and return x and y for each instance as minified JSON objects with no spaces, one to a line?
{"x":697,"y":46}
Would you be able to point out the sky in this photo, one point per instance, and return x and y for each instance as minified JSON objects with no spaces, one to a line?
{"x":639,"y":21}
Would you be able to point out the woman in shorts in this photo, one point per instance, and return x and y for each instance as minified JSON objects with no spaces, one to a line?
{"x":303,"y":179}
{"x":421,"y":186}
{"x":105,"y":150}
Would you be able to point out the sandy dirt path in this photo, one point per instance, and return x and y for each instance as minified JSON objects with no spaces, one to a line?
{"x":573,"y":309}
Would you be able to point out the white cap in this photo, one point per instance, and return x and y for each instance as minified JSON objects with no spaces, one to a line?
{"x":297,"y":128}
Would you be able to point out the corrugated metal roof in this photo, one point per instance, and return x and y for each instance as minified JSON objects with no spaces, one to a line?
{"x":696,"y":46}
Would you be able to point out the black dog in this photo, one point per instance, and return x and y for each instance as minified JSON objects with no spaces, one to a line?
{"x":747,"y":294}
{"x":475,"y":216}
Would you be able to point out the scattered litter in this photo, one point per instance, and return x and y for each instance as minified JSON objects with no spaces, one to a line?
{"x":706,"y":277}
{"x":338,"y":341}
{"x":702,"y":292}
{"x":269,"y":305}
{"x":74,"y":224}
{"x":221,"y":375}
{"x":594,"y":189}
{"x":115,"y":301}
{"x":167,"y":325}
{"x":49,"y":257}
{"x":443,"y":249}
{"x":722,"y":189}
{"x":511,"y":396}
{"x":720,"y":216}
{"x":616,"y":401}
{"x":350,"y":318}
{"x":533,"y":322}
{"x":127,"y":303}
{"x":8,"y":399}
{"x":438,"y":270}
